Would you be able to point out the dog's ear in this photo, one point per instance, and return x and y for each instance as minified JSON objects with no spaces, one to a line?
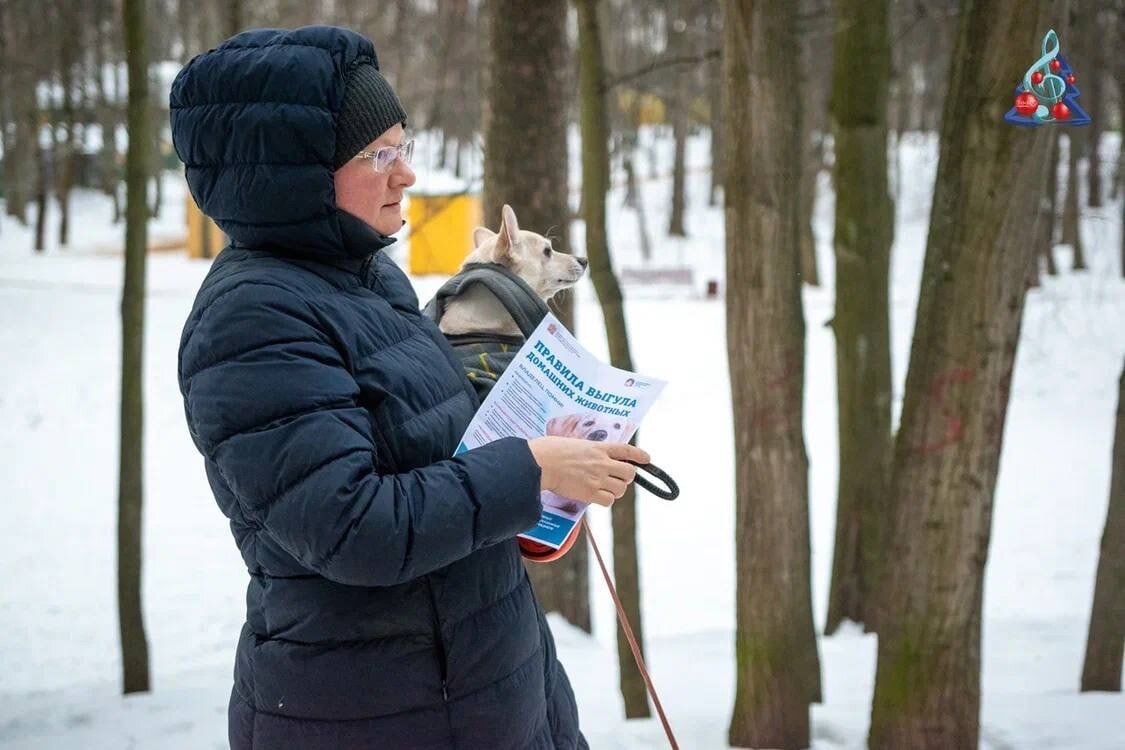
{"x":482,"y":235}
{"x":506,"y":240}
{"x":509,"y":224}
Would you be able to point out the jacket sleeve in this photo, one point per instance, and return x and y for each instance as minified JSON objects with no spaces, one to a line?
{"x":271,"y":403}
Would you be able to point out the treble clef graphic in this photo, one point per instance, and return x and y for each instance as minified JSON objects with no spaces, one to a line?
{"x":1051,"y":89}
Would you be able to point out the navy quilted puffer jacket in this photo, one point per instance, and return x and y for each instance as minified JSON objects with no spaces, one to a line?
{"x":388,"y":605}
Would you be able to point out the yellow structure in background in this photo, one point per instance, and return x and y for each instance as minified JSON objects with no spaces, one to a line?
{"x":441,"y":231}
{"x":197,"y":225}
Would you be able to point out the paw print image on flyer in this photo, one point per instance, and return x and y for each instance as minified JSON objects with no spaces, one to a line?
{"x":1048,"y":92}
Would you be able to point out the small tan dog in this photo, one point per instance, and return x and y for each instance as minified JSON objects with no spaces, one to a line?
{"x":529,"y":256}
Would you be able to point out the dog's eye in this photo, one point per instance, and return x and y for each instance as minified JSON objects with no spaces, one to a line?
{"x":547,"y":251}
{"x":617,"y":425}
{"x":588,"y":423}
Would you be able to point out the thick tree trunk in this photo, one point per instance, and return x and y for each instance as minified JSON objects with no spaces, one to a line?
{"x":927,"y":687}
{"x":778,"y":669}
{"x":134,"y":644}
{"x":864,"y":232}
{"x":525,"y":165}
{"x":595,"y":183}
{"x":1105,"y":643}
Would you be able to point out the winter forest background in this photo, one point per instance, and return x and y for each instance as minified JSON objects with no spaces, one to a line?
{"x":893,"y":328}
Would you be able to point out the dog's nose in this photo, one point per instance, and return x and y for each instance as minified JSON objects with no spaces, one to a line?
{"x":598,"y":435}
{"x":582,"y":262}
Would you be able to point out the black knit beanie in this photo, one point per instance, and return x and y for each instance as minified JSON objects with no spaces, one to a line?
{"x":369,"y":108}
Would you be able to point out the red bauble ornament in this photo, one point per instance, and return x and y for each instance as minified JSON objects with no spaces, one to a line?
{"x":1037,"y":77}
{"x":1071,"y":79}
{"x":1056,"y":66}
{"x":1026,"y":103}
{"x":1060,"y":111}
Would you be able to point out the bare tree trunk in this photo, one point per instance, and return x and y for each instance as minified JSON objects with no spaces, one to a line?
{"x":65,"y":161}
{"x":716,"y":76}
{"x":525,"y":164}
{"x":1105,"y":644}
{"x":927,"y":686}
{"x":1048,"y":206}
{"x":1072,"y":207}
{"x":134,"y":644}
{"x":680,"y":105}
{"x":778,"y":669}
{"x":154,"y":163}
{"x":233,"y":17}
{"x":638,"y":206}
{"x":595,"y":185}
{"x":864,"y":233}
{"x":40,"y":197}
{"x":813,"y":118}
{"x":1093,"y":51}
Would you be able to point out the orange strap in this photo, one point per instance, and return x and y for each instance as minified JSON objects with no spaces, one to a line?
{"x":632,"y":640}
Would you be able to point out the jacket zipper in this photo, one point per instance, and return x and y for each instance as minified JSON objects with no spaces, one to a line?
{"x":437,"y":639}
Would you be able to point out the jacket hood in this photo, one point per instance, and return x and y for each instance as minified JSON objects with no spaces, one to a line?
{"x":254,"y":122}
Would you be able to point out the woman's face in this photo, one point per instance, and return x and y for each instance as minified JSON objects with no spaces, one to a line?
{"x":373,"y":196}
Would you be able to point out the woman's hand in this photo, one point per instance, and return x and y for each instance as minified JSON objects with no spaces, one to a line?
{"x":586,"y":470}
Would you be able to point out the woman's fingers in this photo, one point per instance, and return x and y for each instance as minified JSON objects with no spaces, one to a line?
{"x":626,"y":452}
{"x":604,"y":498}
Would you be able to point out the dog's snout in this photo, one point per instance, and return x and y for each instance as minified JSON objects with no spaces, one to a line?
{"x":598,"y":435}
{"x":582,"y":262}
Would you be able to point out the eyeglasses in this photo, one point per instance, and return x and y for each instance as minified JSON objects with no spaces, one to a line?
{"x":383,"y":158}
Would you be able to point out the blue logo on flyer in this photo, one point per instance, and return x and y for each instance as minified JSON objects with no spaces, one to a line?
{"x":1048,"y":93}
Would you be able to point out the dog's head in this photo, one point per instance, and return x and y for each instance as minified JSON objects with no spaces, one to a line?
{"x":597,"y":427}
{"x":528,"y":255}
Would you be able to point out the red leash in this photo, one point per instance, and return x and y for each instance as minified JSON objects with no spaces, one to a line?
{"x":632,"y":639}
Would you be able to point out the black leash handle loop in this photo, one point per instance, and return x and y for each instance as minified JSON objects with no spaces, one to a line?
{"x":673,"y":490}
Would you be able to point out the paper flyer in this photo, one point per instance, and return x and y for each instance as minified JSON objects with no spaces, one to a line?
{"x":555,"y":387}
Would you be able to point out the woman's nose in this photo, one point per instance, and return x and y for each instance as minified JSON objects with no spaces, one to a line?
{"x":404,"y":174}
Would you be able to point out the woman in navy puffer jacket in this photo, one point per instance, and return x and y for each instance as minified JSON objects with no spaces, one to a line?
{"x":388,"y":606}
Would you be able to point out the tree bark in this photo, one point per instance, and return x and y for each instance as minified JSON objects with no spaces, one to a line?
{"x":680,"y":106}
{"x":233,"y":17}
{"x":1048,"y":207}
{"x":40,"y":196}
{"x":778,"y":669}
{"x":863,"y":237}
{"x":716,"y":75}
{"x":134,"y":644}
{"x":927,"y":686}
{"x":1072,"y":206}
{"x":595,"y":184}
{"x":1093,"y":52}
{"x":1105,"y":642}
{"x":813,"y":109}
{"x":525,"y":165}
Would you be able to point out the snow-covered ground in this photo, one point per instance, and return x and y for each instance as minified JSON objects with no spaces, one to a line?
{"x":59,"y":657}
